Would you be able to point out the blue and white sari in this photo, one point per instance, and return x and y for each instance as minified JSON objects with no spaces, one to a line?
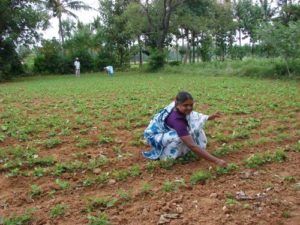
{"x":164,"y":140}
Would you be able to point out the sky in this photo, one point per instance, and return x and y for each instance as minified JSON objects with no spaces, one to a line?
{"x":83,"y":15}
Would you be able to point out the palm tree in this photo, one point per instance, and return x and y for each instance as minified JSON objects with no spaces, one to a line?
{"x":60,"y":7}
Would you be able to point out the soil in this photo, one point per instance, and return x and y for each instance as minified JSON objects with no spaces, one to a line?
{"x":272,"y":198}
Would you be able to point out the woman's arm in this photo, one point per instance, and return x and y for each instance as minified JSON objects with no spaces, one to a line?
{"x":214,"y":116}
{"x":188,"y":140}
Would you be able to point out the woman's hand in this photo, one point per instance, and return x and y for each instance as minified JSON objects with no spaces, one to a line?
{"x":214,"y":116}
{"x":221,"y":162}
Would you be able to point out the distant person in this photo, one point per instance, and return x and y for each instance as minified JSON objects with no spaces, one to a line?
{"x":109,"y":70}
{"x":77,"y":67}
{"x":177,"y":129}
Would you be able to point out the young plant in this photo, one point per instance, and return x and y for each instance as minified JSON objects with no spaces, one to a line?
{"x":168,"y":186}
{"x":25,"y":219}
{"x":102,"y":178}
{"x":101,"y":203}
{"x":167,"y":164}
{"x":124,"y":195}
{"x":62,"y":184}
{"x":35,"y":190}
{"x":226,"y":170}
{"x":135,"y":171}
{"x":231,"y":202}
{"x":83,"y":143}
{"x":120,"y":174}
{"x":103,"y":139}
{"x":151,"y":166}
{"x":146,"y":189}
{"x":97,"y":162}
{"x":201,"y":177}
{"x":296,"y":147}
{"x":88,"y":182}
{"x":58,"y":210}
{"x":39,"y":171}
{"x":290,"y":179}
{"x":52,"y":142}
{"x":102,"y":219}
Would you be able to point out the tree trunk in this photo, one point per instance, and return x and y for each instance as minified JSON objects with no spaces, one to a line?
{"x":193,"y":46}
{"x":140,"y":52}
{"x":61,"y":32}
{"x":187,"y":53}
{"x":287,"y":67}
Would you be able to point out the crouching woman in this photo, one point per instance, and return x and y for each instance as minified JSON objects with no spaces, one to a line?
{"x":177,"y":129}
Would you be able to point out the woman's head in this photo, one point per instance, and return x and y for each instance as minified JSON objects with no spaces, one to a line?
{"x":184,"y":102}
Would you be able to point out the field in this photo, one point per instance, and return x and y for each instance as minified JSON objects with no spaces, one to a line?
{"x":70,"y":152}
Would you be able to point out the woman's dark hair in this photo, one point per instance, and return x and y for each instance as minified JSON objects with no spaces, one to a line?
{"x":182,"y":96}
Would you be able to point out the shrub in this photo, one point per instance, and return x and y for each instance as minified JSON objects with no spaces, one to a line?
{"x":156,"y":60}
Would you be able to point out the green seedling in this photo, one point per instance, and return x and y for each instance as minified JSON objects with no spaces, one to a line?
{"x":62,"y":184}
{"x":58,"y":210}
{"x":35,"y":190}
{"x":101,"y":203}
{"x":201,"y":177}
{"x":135,"y":171}
{"x":226,"y":170}
{"x":102,"y":219}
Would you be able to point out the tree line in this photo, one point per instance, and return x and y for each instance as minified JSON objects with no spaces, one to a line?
{"x":193,"y":30}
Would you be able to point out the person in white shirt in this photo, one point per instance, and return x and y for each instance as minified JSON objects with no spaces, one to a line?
{"x":77,"y":67}
{"x":109,"y":70}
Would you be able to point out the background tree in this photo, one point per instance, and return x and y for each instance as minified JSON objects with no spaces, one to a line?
{"x":158,"y":14}
{"x":283,"y":39}
{"x":19,"y":22}
{"x":64,"y":7}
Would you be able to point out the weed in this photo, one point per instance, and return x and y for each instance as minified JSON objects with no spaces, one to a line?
{"x":200,"y":177}
{"x":231,"y":202}
{"x":35,"y":190}
{"x":167,"y":164}
{"x":146,"y":189}
{"x":256,"y":160}
{"x":14,"y":172}
{"x":168,"y":186}
{"x":290,"y":179}
{"x":52,"y":142}
{"x":120,"y":174}
{"x":296,"y":147}
{"x":102,"y":139}
{"x":189,"y":157}
{"x":135,"y":171}
{"x":240,"y":134}
{"x":83,"y":143}
{"x":124,"y":195}
{"x":97,"y":162}
{"x":58,"y":210}
{"x":101,"y":203}
{"x":88,"y":182}
{"x":286,"y":214}
{"x":102,"y":178}
{"x":62,"y":184}
{"x":151,"y":166}
{"x":102,"y":219}
{"x":24,"y":219}
{"x":46,"y":161}
{"x":39,"y":171}
{"x":226,"y":170}
{"x":279,"y":156}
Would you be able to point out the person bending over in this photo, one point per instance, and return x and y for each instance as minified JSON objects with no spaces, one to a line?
{"x":177,"y":129}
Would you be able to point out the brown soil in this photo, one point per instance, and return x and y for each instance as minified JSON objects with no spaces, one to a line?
{"x":205,"y":204}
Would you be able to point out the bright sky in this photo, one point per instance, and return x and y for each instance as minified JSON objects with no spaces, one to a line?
{"x":83,"y":15}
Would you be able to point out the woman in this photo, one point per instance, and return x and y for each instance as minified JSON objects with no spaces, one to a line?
{"x":177,"y":129}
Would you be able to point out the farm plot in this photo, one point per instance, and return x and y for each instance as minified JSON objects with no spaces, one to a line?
{"x":70,"y":152}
